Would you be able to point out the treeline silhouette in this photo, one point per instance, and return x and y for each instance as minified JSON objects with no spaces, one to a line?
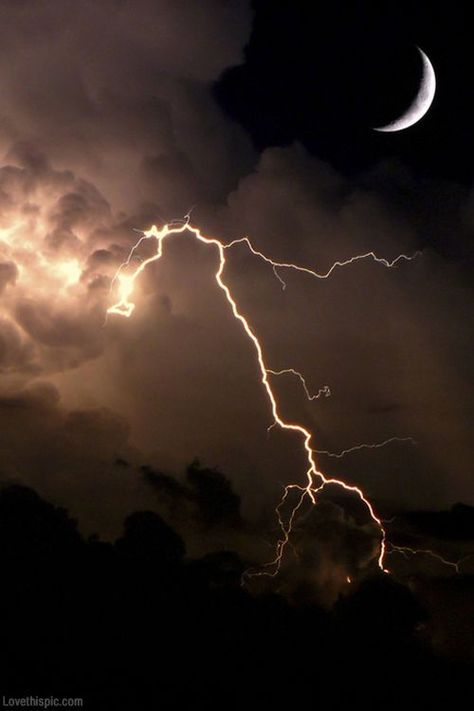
{"x":135,"y":624}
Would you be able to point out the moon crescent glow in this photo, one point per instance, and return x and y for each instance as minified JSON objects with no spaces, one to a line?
{"x":422,"y":101}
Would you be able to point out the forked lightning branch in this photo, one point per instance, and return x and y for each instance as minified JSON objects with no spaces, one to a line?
{"x":123,"y":285}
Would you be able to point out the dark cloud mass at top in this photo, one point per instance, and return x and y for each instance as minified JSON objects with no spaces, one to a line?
{"x":120,"y":91}
{"x":109,"y":121}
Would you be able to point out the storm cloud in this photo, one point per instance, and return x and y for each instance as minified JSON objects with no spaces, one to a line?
{"x":108,"y":123}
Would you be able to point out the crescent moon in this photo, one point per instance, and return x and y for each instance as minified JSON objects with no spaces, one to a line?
{"x":421,"y":103}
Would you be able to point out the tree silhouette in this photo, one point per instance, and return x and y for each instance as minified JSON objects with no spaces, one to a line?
{"x":217,"y":502}
{"x":33,"y":528}
{"x":147,"y":537}
{"x":135,"y":624}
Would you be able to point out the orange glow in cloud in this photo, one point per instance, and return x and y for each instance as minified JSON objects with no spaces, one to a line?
{"x":41,"y":270}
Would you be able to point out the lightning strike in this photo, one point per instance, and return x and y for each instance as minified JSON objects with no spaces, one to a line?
{"x":316,"y":481}
{"x":407,"y":552}
{"x":320,"y":275}
{"x":357,"y":447}
{"x":325,"y":391}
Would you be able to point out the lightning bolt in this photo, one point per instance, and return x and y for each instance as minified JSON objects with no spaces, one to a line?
{"x":325,"y":391}
{"x":407,"y":552}
{"x":357,"y":447}
{"x":316,"y":481}
{"x":319,"y":275}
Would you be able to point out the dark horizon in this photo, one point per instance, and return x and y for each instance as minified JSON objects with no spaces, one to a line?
{"x":210,"y":629}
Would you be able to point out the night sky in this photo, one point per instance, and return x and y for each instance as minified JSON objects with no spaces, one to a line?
{"x":258,"y":119}
{"x":139,"y":468}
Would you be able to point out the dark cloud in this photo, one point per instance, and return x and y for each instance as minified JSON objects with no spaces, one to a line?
{"x":206,"y":494}
{"x":8,"y":274}
{"x":68,"y":455}
{"x":16,"y":354}
{"x":330,"y":550}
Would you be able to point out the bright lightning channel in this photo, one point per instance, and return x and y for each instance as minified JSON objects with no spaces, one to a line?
{"x":324,"y":275}
{"x":315,"y":479}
